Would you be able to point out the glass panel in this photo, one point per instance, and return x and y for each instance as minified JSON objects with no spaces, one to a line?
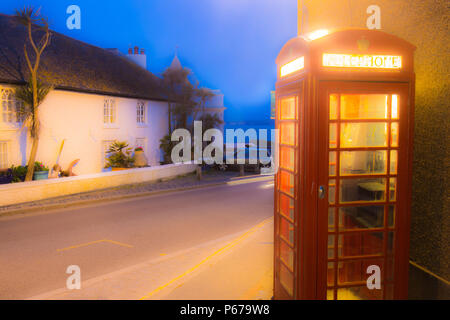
{"x":359,"y":293}
{"x":332,"y":163}
{"x":391,"y":243}
{"x":356,"y":270}
{"x":391,"y":216}
{"x":364,"y":106}
{"x":355,"y":135}
{"x":332,"y":191}
{"x":287,"y":182}
{"x":394,"y":134}
{"x":287,"y":206}
{"x":363,"y":162}
{"x":288,"y":108}
{"x":333,"y":106}
{"x":287,"y":133}
{"x":331,"y":223}
{"x":286,"y":279}
{"x":394,"y":110}
{"x":333,"y":135}
{"x":361,"y":217}
{"x":367,"y":189}
{"x":287,"y":255}
{"x":361,"y":244}
{"x":393,"y":189}
{"x":394,"y":156}
{"x":287,"y":157}
{"x":331,"y":253}
{"x":287,"y":230}
{"x":330,"y":294}
{"x":330,"y":274}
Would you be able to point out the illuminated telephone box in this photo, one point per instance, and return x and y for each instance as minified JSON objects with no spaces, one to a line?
{"x":345,"y":114}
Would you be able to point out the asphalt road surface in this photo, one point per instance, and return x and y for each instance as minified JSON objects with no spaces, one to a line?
{"x":36,"y":249}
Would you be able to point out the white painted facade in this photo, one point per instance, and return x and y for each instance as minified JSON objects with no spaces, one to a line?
{"x":82,"y":121}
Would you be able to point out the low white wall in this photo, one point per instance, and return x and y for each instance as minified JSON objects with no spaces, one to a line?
{"x":43,"y":189}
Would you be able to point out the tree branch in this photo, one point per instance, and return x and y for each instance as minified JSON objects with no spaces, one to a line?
{"x":27,"y":58}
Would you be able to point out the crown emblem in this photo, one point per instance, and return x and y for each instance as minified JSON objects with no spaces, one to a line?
{"x":363,"y":44}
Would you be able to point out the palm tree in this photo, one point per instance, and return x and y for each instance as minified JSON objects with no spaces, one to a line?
{"x":34,"y":92}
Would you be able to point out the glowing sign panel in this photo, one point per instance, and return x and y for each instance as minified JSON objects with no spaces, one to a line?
{"x":293,"y":66}
{"x":362,"y":61}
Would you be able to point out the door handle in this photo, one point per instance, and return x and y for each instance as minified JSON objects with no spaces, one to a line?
{"x":322,"y":192}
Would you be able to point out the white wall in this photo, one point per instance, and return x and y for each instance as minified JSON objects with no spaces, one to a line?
{"x":78,"y":118}
{"x":15,"y":193}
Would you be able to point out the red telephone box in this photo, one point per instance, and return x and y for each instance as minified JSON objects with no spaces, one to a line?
{"x":345,"y":115}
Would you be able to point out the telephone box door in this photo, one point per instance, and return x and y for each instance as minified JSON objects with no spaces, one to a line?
{"x":362,"y":204}
{"x":289,"y":119}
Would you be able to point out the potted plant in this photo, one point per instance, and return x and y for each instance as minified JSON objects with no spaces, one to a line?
{"x":40,"y":171}
{"x":140,"y":160}
{"x":119,"y":156}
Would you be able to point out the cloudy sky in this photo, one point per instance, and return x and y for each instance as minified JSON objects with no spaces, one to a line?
{"x":229,"y":44}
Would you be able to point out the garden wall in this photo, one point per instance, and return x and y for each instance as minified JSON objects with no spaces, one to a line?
{"x":44,"y":189}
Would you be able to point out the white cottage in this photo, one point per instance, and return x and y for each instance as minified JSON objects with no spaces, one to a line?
{"x":99,"y":96}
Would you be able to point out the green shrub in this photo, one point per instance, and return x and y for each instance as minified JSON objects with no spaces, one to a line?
{"x":19,"y":173}
{"x":119,"y":155}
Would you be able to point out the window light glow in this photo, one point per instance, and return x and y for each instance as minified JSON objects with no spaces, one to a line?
{"x":361,"y":61}
{"x":394,"y":111}
{"x":317,"y":34}
{"x":293,"y":66}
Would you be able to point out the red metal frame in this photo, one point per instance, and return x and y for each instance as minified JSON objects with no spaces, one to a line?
{"x":312,"y":84}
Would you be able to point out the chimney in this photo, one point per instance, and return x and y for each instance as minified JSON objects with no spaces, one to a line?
{"x":138,"y":58}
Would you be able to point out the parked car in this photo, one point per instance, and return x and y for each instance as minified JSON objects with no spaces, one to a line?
{"x":253,"y":162}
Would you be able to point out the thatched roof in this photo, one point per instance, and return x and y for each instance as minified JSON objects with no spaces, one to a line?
{"x":69,"y":64}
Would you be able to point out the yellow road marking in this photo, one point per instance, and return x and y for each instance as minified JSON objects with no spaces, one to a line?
{"x":429,"y":272}
{"x":216,"y":253}
{"x":94,"y":242}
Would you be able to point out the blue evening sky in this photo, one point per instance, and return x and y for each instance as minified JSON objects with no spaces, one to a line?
{"x":230,"y":45}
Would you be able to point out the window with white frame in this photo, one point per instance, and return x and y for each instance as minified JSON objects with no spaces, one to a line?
{"x":109,"y":111}
{"x":4,"y":161}
{"x":140,"y":112}
{"x":8,"y":105}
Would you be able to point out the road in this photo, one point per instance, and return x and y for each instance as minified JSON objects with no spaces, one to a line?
{"x":36,"y":249}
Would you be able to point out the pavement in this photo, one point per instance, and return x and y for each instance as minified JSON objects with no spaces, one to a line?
{"x":155,"y":246}
{"x":237,"y":267}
